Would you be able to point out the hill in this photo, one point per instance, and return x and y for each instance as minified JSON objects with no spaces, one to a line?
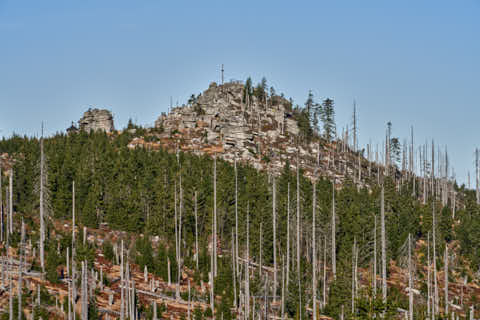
{"x":245,"y":215}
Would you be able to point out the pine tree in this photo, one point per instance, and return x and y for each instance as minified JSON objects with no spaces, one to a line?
{"x":328,"y":119}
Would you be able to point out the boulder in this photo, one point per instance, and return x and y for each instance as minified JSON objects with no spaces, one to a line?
{"x":97,"y":120}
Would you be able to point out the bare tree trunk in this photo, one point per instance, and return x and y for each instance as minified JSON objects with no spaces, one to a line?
{"x":435,"y":284}
{"x":384,"y":249}
{"x":10,"y":293}
{"x":1,"y":206}
{"x":69,"y":307}
{"x":42,"y":213}
{"x":274,"y":217}
{"x":298,"y":218}
{"x":429,"y":289}
{"x":314,"y":250}
{"x":446,"y":279}
{"x":122,"y":283}
{"x":177,"y":244}
{"x":73,"y":215}
{"x":354,"y":253}
{"x":154,"y":310}
{"x":374,"y":280}
{"x":298,"y":237}
{"x":188,"y":310}
{"x":324,"y":295}
{"x":21,"y":252}
{"x":10,"y":195}
{"x":211,"y":274}
{"x":288,"y":238}
{"x":477,"y":175}
{"x":334,"y":248}
{"x":433,"y":171}
{"x":234,"y":273}
{"x":179,"y":262}
{"x":68,"y":262}
{"x":84,"y":292}
{"x":283,"y":288}
{"x":215,"y":215}
{"x":236,"y":217}
{"x":261,"y":253}
{"x":410,"y":278}
{"x":169,"y":272}
{"x":197,"y":253}
{"x":355,"y":127}
{"x":247,"y":269}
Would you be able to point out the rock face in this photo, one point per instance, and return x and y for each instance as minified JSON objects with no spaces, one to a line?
{"x":222,"y":120}
{"x":97,"y":119}
{"x":261,"y":131}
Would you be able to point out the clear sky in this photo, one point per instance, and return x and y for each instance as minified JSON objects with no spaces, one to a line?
{"x":408,"y":62}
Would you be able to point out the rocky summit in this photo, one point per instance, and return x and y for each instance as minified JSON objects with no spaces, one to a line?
{"x":263,"y":132}
{"x":97,"y":119}
{"x":223,"y":120}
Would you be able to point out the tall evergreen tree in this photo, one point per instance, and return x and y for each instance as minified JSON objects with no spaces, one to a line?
{"x":328,"y":119}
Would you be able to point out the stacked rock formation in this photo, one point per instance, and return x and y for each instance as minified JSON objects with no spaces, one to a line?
{"x":97,"y":119}
{"x":222,"y":120}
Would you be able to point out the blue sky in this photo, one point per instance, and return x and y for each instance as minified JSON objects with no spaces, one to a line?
{"x":408,"y":62}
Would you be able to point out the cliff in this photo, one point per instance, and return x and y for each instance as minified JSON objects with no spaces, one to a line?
{"x":97,"y":119}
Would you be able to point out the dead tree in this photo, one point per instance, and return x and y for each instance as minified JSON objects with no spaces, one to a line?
{"x":42,"y":208}
{"x":477,"y":176}
{"x":197,"y":253}
{"x":355,"y":126}
{"x":84,"y":291}
{"x":215,"y":215}
{"x":298,"y":218}
{"x":179,"y":261}
{"x":10,"y":292}
{"x":314,"y":264}
{"x":410,"y":278}
{"x":247,"y":266}
{"x":287,"y":276}
{"x":122,"y":284}
{"x":384,"y":249}
{"x":435,"y":284}
{"x":21,"y":253}
{"x":283,"y":289}
{"x":446,"y":279}
{"x":374,"y":278}
{"x":298,"y":235}
{"x":354,"y":276}
{"x":334,"y":249}
{"x":74,"y":265}
{"x":324,"y":295}
{"x":1,"y":205}
{"x":211,"y":274}
{"x":236,"y":216}
{"x":10,"y":204}
{"x":69,"y":307}
{"x":261,"y":252}
{"x":169,"y":272}
{"x":429,"y":288}
{"x":274,"y":214}
{"x":234,"y":273}
{"x":177,"y":293}
{"x":188,"y":310}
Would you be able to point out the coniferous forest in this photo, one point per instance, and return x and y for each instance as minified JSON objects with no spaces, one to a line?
{"x":307,"y":244}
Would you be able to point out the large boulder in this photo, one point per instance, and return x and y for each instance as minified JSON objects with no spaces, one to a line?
{"x":97,"y":120}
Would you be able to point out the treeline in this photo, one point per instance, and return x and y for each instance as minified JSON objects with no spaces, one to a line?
{"x":139,"y":191}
